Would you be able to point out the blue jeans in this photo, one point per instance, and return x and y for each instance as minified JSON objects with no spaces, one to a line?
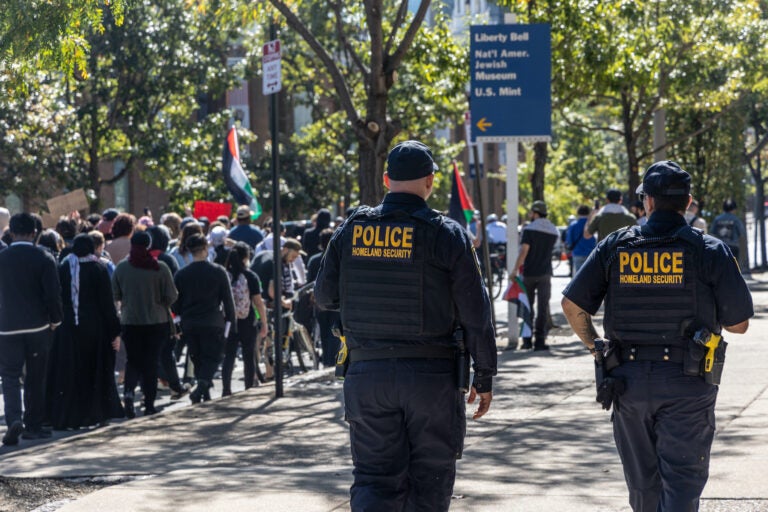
{"x":406,"y":425}
{"x":17,"y":350}
{"x":578,"y":261}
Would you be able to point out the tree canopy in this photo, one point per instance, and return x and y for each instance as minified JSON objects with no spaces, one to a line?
{"x":389,"y":76}
{"x":143,"y":82}
{"x":51,"y":34}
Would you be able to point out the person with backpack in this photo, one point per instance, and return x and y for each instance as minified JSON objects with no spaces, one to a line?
{"x":728,"y":227}
{"x":575,"y":242}
{"x":246,"y":290}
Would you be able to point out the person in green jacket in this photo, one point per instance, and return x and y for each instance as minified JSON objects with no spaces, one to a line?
{"x":144,"y":288}
{"x":604,"y":221}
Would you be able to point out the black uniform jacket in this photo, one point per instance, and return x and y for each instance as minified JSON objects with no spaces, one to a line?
{"x":468,"y":295}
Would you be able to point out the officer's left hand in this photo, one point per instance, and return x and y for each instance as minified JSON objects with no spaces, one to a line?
{"x":485,"y":402}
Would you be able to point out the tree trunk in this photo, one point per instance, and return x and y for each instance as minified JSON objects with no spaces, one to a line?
{"x":366,"y":175}
{"x":93,"y":162}
{"x":374,"y":139}
{"x":630,"y":143}
{"x":540,"y":150}
{"x":371,"y":171}
{"x":95,"y":184}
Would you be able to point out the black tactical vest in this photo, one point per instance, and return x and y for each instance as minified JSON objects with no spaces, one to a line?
{"x":656,"y":293}
{"x":390,"y":287}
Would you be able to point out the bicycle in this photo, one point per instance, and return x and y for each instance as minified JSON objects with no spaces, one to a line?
{"x":297,"y":348}
{"x":498,"y":258}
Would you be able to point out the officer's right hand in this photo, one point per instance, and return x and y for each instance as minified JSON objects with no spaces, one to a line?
{"x":485,"y":402}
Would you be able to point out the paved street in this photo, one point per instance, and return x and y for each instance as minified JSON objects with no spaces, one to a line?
{"x":545,"y":445}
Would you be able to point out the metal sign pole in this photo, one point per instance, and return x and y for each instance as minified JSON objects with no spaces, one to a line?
{"x":277,"y":277}
{"x":484,"y":239}
{"x":512,"y":234}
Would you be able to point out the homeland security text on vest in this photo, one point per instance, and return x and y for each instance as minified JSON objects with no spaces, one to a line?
{"x":651,"y":267}
{"x":386,"y":241}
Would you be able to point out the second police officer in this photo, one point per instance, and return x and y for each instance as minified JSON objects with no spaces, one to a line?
{"x":667,"y":286}
{"x":405,"y":279}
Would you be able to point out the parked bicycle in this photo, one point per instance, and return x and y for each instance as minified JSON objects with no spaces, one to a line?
{"x":498,"y":258}
{"x":298,"y":352}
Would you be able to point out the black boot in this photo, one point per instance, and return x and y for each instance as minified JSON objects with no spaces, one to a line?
{"x":130,"y":410}
{"x":201,"y":391}
{"x":205,"y":389}
{"x":527,"y":344}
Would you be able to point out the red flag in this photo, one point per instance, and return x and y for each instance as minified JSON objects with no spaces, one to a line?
{"x":460,"y":208}
{"x":517,"y":293}
{"x":211,"y":209}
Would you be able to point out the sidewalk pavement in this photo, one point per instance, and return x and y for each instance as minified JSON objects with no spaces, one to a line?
{"x":545,"y":444}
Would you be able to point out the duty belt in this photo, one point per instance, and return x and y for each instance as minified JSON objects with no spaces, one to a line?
{"x":662,"y":353}
{"x":403,"y":352}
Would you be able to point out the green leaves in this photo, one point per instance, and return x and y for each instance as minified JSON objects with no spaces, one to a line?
{"x":52,"y":34}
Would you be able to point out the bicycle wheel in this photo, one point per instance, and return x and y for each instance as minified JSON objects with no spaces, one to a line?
{"x":307,"y":347}
{"x":259,"y":356}
{"x":287,"y":347}
{"x":264,"y":357}
{"x":498,"y":282}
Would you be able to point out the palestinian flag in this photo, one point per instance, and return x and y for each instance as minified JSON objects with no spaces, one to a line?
{"x":517,"y":293}
{"x":234,"y":176}
{"x":460,"y":208}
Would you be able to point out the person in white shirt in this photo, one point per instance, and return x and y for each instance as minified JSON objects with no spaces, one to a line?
{"x":496,"y":230}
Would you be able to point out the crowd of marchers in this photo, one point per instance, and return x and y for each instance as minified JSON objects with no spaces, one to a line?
{"x":98,"y":308}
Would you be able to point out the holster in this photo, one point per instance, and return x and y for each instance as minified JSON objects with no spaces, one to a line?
{"x":462,"y":361}
{"x":694,"y":358}
{"x":612,"y":356}
{"x":609,"y":389}
{"x":342,"y":356}
{"x":713,"y":377}
{"x":700,"y":347}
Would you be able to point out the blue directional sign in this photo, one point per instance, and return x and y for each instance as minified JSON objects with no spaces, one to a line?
{"x":510,"y":68}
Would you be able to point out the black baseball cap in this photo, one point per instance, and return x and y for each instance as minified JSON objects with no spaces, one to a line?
{"x":539,"y":207}
{"x":665,"y":178}
{"x":410,"y":160}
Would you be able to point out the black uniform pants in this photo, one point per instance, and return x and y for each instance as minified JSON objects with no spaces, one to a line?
{"x":663,"y":429}
{"x":17,"y":350}
{"x":407,"y":425}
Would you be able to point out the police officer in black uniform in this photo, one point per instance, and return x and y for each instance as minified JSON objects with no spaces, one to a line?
{"x":407,"y":282}
{"x":663,"y":284}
